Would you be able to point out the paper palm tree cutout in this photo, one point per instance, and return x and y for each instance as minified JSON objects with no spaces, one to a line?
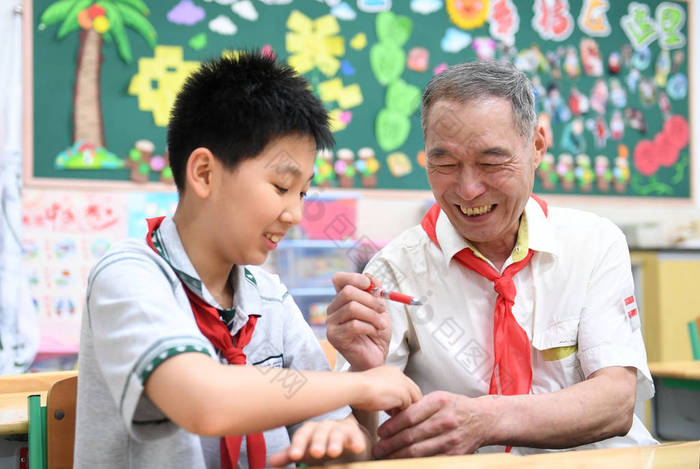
{"x":97,"y":21}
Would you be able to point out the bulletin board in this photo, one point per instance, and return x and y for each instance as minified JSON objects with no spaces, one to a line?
{"x":611,"y":80}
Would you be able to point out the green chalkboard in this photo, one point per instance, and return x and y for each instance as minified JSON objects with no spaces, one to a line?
{"x":370,"y":64}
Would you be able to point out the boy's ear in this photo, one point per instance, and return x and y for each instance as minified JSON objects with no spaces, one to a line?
{"x":200,"y":168}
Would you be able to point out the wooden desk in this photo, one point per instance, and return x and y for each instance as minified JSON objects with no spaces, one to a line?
{"x":689,"y":370}
{"x":13,"y":412}
{"x":675,"y":409}
{"x":14,"y":390}
{"x":668,"y":456}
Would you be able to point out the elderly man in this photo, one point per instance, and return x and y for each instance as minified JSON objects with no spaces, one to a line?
{"x":529,"y":335}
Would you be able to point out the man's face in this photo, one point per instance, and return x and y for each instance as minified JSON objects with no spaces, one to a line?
{"x":481,"y":170}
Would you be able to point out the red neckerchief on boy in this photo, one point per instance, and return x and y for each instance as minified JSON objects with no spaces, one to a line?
{"x":512,"y":370}
{"x":214,"y":329}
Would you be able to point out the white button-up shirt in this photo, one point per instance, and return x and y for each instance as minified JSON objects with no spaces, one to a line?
{"x":573,"y":301}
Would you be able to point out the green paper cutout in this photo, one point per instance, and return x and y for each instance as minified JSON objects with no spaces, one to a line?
{"x":198,"y":42}
{"x":393,"y":29}
{"x":402,"y":97}
{"x":392,"y":129}
{"x":387,"y":61}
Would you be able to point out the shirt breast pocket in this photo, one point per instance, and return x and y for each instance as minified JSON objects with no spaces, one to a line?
{"x":554,"y":362}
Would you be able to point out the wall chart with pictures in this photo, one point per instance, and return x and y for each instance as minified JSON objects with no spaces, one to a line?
{"x":611,"y":82}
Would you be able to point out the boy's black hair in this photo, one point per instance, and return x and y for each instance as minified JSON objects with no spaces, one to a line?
{"x":235,"y":106}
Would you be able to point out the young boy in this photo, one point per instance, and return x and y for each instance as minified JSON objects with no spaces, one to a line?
{"x":242,"y":138}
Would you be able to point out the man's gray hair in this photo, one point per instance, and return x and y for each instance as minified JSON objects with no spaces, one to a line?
{"x":483,"y":79}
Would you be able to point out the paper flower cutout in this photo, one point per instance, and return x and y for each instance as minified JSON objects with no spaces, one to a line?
{"x":314,"y":43}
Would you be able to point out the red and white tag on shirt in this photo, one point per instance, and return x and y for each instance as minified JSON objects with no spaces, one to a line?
{"x":632,"y":312}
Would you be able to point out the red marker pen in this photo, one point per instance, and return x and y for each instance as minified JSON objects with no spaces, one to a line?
{"x":394,"y":296}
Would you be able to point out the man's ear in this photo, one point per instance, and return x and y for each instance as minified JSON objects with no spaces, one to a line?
{"x":199,"y":171}
{"x":539,"y":144}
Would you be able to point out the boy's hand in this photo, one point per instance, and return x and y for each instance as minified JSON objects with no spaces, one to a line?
{"x":357,"y":325}
{"x":317,"y":442}
{"x":386,"y":388}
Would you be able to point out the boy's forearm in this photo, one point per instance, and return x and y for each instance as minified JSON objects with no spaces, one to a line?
{"x":226,"y":400}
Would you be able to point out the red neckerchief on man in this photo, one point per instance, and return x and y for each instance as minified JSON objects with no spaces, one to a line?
{"x":512,"y":370}
{"x":214,"y":329}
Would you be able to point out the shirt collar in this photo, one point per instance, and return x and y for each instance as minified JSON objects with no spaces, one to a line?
{"x":535,"y":233}
{"x":246,"y":299}
{"x":540,"y":229}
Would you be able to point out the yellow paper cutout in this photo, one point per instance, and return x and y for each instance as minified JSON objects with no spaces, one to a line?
{"x":326,"y":25}
{"x":334,"y":121}
{"x":359,"y":41}
{"x":335,"y":45}
{"x":327,"y":64}
{"x":350,"y":96}
{"x":313,"y":44}
{"x":302,"y":63}
{"x":329,"y":90}
{"x":294,"y":42}
{"x":169,"y":71}
{"x":299,"y":22}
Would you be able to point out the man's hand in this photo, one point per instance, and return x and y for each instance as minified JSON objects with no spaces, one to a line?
{"x":316,"y":442}
{"x":358,"y":325}
{"x":441,"y":423}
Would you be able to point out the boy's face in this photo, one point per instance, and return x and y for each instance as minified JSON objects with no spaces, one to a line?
{"x":261,"y":199}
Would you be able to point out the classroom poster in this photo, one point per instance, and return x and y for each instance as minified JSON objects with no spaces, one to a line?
{"x":612,"y":82}
{"x":64,"y":233}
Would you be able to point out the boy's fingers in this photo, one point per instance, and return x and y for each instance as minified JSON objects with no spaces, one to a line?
{"x":340,"y":279}
{"x":356,"y":441}
{"x":301,"y":440}
{"x":319,"y":439}
{"x":336,"y":442}
{"x":280,"y":459}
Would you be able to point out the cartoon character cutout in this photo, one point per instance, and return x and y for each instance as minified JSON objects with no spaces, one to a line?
{"x":663,"y":68}
{"x":324,"y":176}
{"x":572,"y":139}
{"x":632,"y":80}
{"x":367,"y":166}
{"x":578,"y":102}
{"x":635,"y":119}
{"x":546,"y":172}
{"x":618,"y":96}
{"x":664,"y":105}
{"x":617,"y":125}
{"x":614,"y":63}
{"x":603,"y":173}
{"x":565,"y":170}
{"x":345,"y":168}
{"x":599,"y":129}
{"x":584,"y":173}
{"x":621,"y":172}
{"x":590,"y":57}
{"x":599,"y":96}
{"x":647,"y":91}
{"x":571,"y":64}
